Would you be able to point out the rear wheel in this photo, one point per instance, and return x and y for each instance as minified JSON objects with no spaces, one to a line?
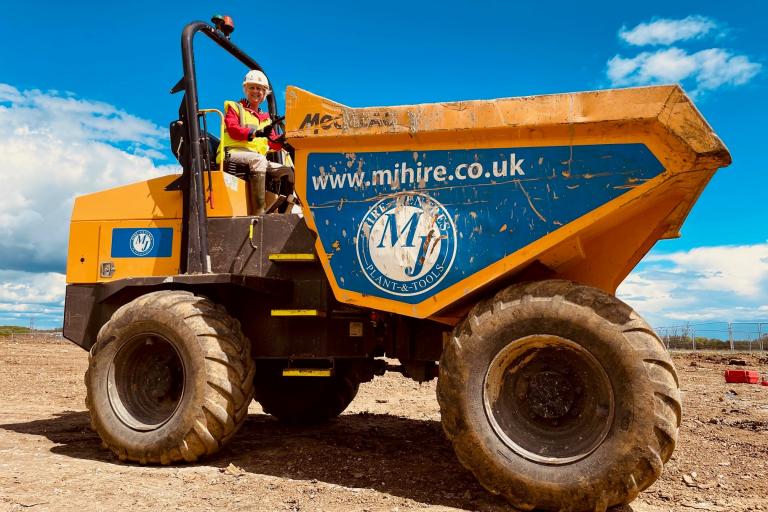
{"x":169,"y":379}
{"x":303,"y":400}
{"x":560,"y":397}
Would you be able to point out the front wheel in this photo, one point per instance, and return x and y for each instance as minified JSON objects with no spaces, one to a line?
{"x":169,"y":379}
{"x":559,"y":397}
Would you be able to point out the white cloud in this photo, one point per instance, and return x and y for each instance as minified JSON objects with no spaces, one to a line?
{"x":701,"y":71}
{"x":720,"y":283}
{"x":56,"y":147}
{"x":666,"y":31}
{"x":9,"y":94}
{"x":31,"y":288}
{"x":718,"y":67}
{"x":698,"y":71}
{"x":741,"y":269}
{"x":31,"y":295}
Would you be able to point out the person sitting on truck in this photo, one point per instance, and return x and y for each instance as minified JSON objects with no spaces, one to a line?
{"x":248,"y":134}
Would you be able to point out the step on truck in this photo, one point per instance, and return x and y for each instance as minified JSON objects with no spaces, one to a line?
{"x":477,"y":242}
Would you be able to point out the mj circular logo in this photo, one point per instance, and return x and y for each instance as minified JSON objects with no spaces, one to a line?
{"x":142,"y":242}
{"x":406,"y":244}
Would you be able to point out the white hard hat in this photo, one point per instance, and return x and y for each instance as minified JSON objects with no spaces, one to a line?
{"x":255,"y":76}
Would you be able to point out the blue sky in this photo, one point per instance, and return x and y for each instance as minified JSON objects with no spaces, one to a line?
{"x":84,"y":105}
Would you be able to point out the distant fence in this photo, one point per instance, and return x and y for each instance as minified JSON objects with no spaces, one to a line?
{"x":726,"y":336}
{"x":730,"y":336}
{"x":17,"y":336}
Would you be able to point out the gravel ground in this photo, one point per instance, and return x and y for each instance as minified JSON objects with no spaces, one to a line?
{"x":387,"y":452}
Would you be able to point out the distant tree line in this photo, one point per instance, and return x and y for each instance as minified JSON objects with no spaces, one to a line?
{"x":7,"y":330}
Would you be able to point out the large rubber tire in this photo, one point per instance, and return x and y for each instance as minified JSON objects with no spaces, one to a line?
{"x":304,"y":400}
{"x":559,"y":397}
{"x":169,"y":379}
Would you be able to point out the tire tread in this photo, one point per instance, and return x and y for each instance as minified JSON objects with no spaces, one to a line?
{"x":646,"y":346}
{"x":229,"y":368}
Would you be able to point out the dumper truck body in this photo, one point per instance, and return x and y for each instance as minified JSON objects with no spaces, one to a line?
{"x":581,"y":184}
{"x":480,"y":242}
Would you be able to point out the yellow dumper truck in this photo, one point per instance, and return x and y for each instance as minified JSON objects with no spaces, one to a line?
{"x":479,"y":242}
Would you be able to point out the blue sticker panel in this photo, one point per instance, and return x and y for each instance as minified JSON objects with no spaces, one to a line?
{"x":405,"y":225}
{"x":142,"y":242}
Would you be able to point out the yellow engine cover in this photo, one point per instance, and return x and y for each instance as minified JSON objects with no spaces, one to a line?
{"x":135,"y":230}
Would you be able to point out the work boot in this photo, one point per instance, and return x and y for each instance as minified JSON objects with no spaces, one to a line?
{"x":257,"y":183}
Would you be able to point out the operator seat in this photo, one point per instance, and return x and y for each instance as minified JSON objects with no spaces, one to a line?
{"x":279,"y":182}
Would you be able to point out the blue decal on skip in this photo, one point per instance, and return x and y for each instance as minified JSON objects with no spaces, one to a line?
{"x":419,"y":230}
{"x":142,"y":242}
{"x":405,"y":225}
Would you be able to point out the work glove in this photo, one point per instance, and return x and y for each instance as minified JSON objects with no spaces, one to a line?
{"x":264,"y":132}
{"x":285,"y":145}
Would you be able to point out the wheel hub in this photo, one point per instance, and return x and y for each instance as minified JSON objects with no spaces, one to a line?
{"x":159,"y":378}
{"x":146,"y":382}
{"x":550,"y":395}
{"x":548,"y":399}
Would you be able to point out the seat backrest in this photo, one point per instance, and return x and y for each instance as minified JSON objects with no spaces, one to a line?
{"x":209,"y":159}
{"x":180,"y":148}
{"x":213,"y":145}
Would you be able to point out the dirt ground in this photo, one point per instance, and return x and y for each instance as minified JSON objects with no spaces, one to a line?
{"x":387,"y":452}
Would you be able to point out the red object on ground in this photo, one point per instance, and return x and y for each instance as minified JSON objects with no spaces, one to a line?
{"x":742,"y":376}
{"x":764,"y":383}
